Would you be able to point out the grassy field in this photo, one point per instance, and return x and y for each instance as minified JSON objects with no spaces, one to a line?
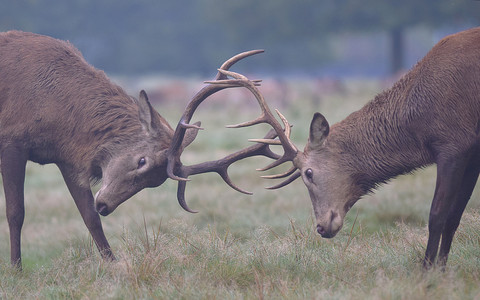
{"x":249,"y":247}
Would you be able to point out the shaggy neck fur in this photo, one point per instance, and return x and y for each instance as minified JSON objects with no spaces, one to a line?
{"x":379,"y":141}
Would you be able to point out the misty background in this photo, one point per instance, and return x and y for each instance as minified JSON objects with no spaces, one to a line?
{"x":306,"y":38}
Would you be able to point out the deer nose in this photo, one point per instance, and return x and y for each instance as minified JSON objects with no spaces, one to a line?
{"x":102,"y":209}
{"x":321,"y":230}
{"x":332,"y":226}
{"x":324,"y":233}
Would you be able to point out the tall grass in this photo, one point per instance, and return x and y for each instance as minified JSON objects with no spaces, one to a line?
{"x":254,"y":247}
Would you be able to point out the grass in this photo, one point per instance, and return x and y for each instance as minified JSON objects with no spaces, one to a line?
{"x":249,"y":247}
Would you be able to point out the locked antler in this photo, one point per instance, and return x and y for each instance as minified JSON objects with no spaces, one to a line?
{"x":177,"y":171}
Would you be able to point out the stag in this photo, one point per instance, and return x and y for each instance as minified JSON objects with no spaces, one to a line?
{"x":430,"y":116}
{"x":56,"y":108}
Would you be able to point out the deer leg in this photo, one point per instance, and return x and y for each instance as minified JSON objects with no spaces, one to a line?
{"x":468,"y":184}
{"x":85,"y":203}
{"x":449,"y":175}
{"x":13,"y":166}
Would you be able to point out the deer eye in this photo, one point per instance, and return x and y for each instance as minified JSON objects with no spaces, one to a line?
{"x":141,"y":162}
{"x":309,"y":174}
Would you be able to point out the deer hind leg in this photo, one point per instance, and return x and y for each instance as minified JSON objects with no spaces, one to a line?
{"x":14,"y":162}
{"x":85,"y":203}
{"x":449,"y":177}
{"x":453,"y":220}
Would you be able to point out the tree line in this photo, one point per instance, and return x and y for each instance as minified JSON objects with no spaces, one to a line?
{"x":184,"y":36}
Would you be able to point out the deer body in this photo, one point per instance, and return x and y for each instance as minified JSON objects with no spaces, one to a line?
{"x":431,"y":115}
{"x":56,"y":108}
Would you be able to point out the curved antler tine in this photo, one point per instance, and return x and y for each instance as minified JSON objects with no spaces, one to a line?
{"x":288,"y":129}
{"x":266,"y":141}
{"x":233,"y":74}
{"x":231,"y":82}
{"x":171,"y":175}
{"x":230,"y":62}
{"x":276,"y":141}
{"x":258,"y":120}
{"x":187,"y":126}
{"x":224,"y":82}
{"x":286,"y":182}
{"x":181,"y":197}
{"x":265,"y":150}
{"x":274,"y":164}
{"x":224,"y":174}
{"x":282,"y":175}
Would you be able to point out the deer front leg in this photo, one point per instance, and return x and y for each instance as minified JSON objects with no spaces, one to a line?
{"x":449,"y":175}
{"x":85,"y":203}
{"x":13,"y":174}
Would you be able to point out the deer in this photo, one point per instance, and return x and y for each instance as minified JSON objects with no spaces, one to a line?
{"x":430,"y":116}
{"x":55,"y":108}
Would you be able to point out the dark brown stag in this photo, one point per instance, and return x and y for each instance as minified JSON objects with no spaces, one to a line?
{"x":431,"y":115}
{"x":56,"y":108}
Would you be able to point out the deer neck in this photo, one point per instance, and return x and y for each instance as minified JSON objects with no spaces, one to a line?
{"x":379,"y":142}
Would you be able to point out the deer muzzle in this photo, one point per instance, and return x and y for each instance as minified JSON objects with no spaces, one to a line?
{"x":101,"y":206}
{"x":330,"y":225}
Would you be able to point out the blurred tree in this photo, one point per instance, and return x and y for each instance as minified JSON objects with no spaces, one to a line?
{"x":397,"y":16}
{"x":279,"y":25}
{"x":287,"y":20}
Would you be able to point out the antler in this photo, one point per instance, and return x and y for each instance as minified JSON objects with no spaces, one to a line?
{"x":179,"y":172}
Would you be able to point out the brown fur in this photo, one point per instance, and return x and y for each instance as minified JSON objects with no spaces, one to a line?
{"x":433,"y":109}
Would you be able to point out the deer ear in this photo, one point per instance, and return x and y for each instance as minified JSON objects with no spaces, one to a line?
{"x":145,"y":111}
{"x":319,"y":129}
{"x":190,"y":135}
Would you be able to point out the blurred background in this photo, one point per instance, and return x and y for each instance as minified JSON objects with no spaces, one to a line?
{"x":303,"y":38}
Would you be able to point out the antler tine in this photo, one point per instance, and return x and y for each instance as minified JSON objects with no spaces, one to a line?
{"x":230,"y":62}
{"x":288,"y":130}
{"x":181,"y":197}
{"x":286,"y":182}
{"x":231,"y":82}
{"x":282,"y":175}
{"x":276,"y":163}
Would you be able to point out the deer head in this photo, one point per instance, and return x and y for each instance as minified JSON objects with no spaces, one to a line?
{"x":157,"y":156}
{"x":140,"y":165}
{"x":332,"y":189}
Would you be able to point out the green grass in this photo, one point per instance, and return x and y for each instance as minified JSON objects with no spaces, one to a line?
{"x":249,"y":247}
